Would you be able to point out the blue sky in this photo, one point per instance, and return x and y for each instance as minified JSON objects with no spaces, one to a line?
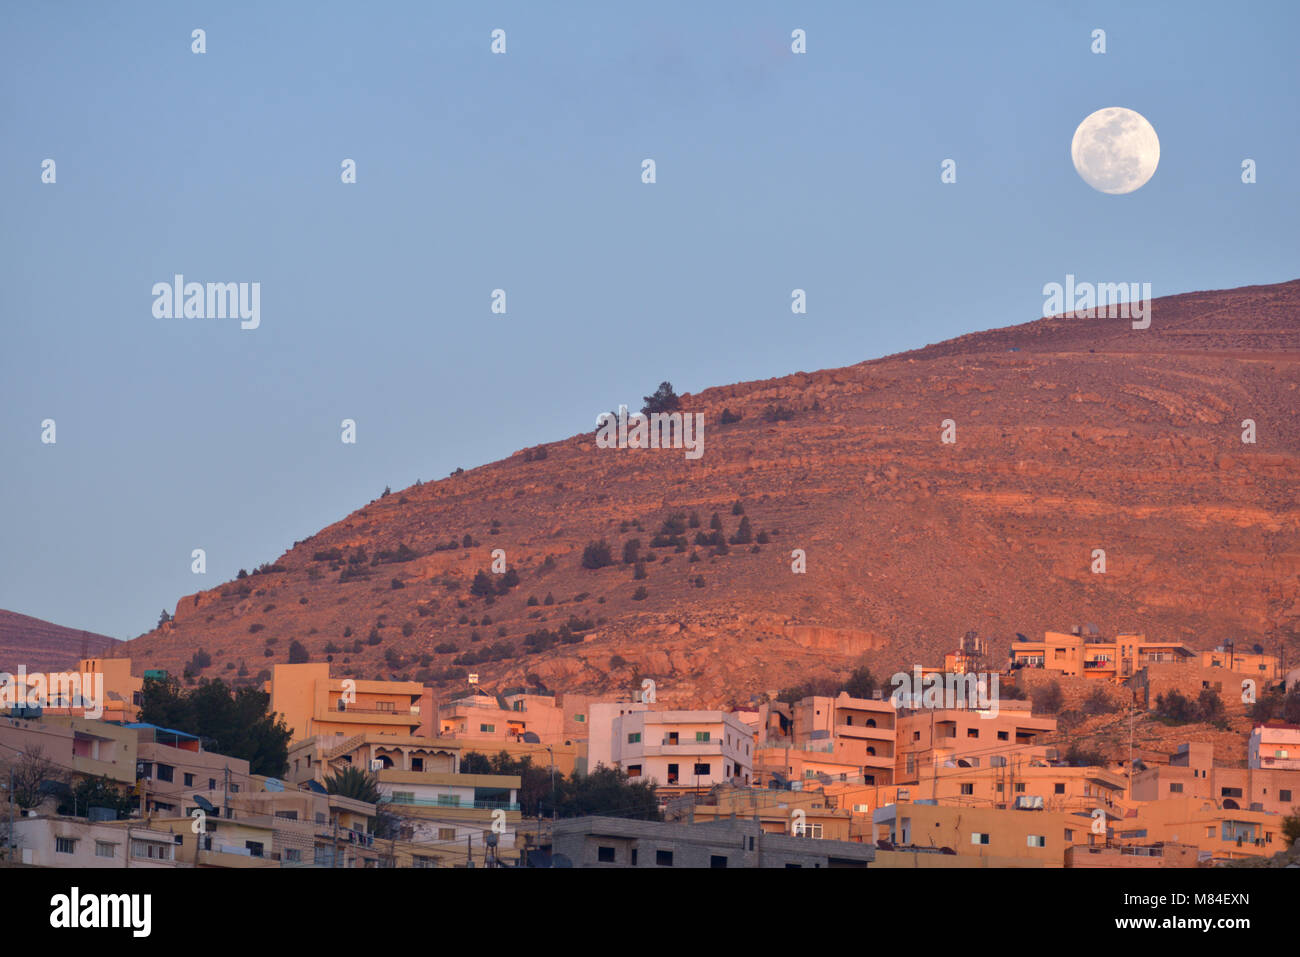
{"x":522,"y":171}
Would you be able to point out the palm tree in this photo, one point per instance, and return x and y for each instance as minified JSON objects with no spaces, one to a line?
{"x":354,"y":783}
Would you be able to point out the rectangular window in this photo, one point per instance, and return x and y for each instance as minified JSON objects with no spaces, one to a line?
{"x":672,"y":774}
{"x":383,"y":706}
{"x":189,"y":780}
{"x":717,"y":860}
{"x":972,"y":732}
{"x":1284,"y":796}
{"x":605,"y":855}
{"x":977,"y":838}
{"x":968,"y":789}
{"x":634,"y":857}
{"x":449,"y":800}
{"x":105,"y":849}
{"x":166,"y":772}
{"x":1004,"y":735}
{"x":634,"y":770}
{"x":1175,"y":787}
{"x":293,"y":855}
{"x":212,"y":784}
{"x":1059,"y":787}
{"x":634,"y":737}
{"x":702,"y":769}
{"x":1036,"y":840}
{"x":151,"y":850}
{"x":446,"y":834}
{"x":65,"y":845}
{"x":664,"y":858}
{"x":702,"y":736}
{"x":254,"y":848}
{"x":487,"y":728}
{"x":417,"y":764}
{"x":403,"y":797}
{"x":580,"y":717}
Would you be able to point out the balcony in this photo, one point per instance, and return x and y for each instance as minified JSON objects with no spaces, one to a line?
{"x":462,"y":806}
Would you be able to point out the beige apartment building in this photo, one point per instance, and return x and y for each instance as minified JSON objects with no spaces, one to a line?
{"x":678,"y":750}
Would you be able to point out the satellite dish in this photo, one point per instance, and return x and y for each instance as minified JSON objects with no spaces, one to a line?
{"x":204,"y":804}
{"x":274,"y":784}
{"x":316,"y":787}
{"x":560,"y":860}
{"x":530,"y":737}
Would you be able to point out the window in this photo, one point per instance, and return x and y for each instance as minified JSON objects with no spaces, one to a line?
{"x":972,"y":732}
{"x":65,"y":845}
{"x":403,"y":797}
{"x":287,"y":815}
{"x":634,"y":737}
{"x":446,"y":834}
{"x":672,"y":774}
{"x":234,"y":789}
{"x":1230,"y":792}
{"x":487,"y":728}
{"x":634,"y":857}
{"x":383,"y":706}
{"x":254,"y":848}
{"x":449,"y":800}
{"x":968,"y":788}
{"x":212,"y":783}
{"x":419,"y":860}
{"x":977,"y":838}
{"x":702,"y":736}
{"x":105,"y":849}
{"x":1004,"y":735}
{"x":151,"y":850}
{"x":605,"y":855}
{"x":1284,"y":796}
{"x":166,"y":772}
{"x":293,"y":855}
{"x":1036,"y":840}
{"x":417,"y":764}
{"x":664,"y":858}
{"x":1175,"y":787}
{"x":1058,"y":787}
{"x":1020,"y":788}
{"x":580,"y":718}
{"x":717,"y":860}
{"x":634,"y":770}
{"x":702,"y":769}
{"x":189,"y":780}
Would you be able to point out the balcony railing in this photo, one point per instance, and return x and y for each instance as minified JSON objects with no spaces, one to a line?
{"x":463,"y":805}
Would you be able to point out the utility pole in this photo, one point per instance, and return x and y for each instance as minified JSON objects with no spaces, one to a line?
{"x":12,"y":843}
{"x":334,"y":857}
{"x":225,"y":798}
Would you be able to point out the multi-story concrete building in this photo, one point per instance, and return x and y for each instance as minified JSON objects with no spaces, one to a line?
{"x":1275,"y":746}
{"x":978,"y":837}
{"x":81,"y":746}
{"x":930,"y":738}
{"x":1095,"y":657}
{"x":315,"y":705}
{"x":680,"y":750}
{"x":172,"y":767}
{"x":1191,"y":772}
{"x":532,"y":718}
{"x":616,"y":842}
{"x":47,"y":841}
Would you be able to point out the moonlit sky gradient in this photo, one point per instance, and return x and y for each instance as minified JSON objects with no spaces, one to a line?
{"x":522,"y":171}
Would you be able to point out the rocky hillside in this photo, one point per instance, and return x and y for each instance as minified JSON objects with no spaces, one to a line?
{"x":44,"y":646}
{"x":1072,"y":434}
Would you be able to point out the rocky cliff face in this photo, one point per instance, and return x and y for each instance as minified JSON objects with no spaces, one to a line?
{"x":1072,"y":435}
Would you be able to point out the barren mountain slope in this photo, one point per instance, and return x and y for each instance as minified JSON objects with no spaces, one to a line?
{"x":1072,"y":434}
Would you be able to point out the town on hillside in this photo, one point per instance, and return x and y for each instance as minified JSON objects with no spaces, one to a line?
{"x":1080,"y":751}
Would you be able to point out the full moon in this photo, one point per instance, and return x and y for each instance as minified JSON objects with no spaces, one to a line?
{"x":1115,"y":150}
